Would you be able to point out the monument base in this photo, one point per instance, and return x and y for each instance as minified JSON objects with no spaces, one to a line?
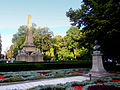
{"x":97,"y":66}
{"x":29,"y":55}
{"x":30,"y":58}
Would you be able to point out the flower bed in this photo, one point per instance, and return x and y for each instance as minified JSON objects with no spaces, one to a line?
{"x":74,"y":71}
{"x":78,"y":87}
{"x":103,"y":87}
{"x":44,"y":73}
{"x":99,"y":82}
{"x":116,"y":73}
{"x":2,"y":77}
{"x":115,"y":80}
{"x":40,"y":74}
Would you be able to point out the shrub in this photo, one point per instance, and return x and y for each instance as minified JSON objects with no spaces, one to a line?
{"x":13,"y":79}
{"x":58,"y":75}
{"x":76,"y":74}
{"x":39,"y":77}
{"x":25,"y":66}
{"x":48,"y":87}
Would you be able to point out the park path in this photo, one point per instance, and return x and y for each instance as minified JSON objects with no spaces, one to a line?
{"x":27,"y":85}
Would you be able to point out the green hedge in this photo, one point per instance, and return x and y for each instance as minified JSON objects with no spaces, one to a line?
{"x":24,"y":66}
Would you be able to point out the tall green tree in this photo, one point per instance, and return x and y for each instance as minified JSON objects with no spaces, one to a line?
{"x":42,"y":39}
{"x":100,"y":19}
{"x":57,"y":44}
{"x":19,"y":39}
{"x":10,"y":52}
{"x":73,"y":41}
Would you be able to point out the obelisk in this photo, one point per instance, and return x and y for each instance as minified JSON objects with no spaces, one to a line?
{"x":29,"y":45}
{"x":29,"y":52}
{"x":29,"y":38}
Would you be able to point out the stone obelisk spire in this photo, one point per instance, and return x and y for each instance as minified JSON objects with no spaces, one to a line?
{"x":29,"y":37}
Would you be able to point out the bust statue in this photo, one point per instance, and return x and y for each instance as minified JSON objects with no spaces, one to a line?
{"x":96,"y":48}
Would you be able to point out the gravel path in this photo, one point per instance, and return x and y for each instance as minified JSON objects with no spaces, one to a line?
{"x":27,"y":85}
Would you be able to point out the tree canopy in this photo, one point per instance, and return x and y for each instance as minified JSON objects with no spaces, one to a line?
{"x":100,"y":20}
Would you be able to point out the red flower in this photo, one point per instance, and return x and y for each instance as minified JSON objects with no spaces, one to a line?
{"x":99,"y":82}
{"x":115,"y":73}
{"x":116,"y":80}
{"x":74,"y":71}
{"x":44,"y":72}
{"x":78,"y":87}
{"x":2,"y":77}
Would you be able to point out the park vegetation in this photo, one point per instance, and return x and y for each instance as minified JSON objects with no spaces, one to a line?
{"x":95,"y":20}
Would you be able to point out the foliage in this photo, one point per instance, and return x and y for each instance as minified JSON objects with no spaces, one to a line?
{"x":58,"y":44}
{"x":100,"y":20}
{"x":51,"y":47}
{"x":52,"y":52}
{"x":76,"y":74}
{"x":58,"y":75}
{"x":10,"y":52}
{"x":65,"y":54}
{"x":42,"y":38}
{"x":39,"y":77}
{"x":13,"y":79}
{"x":24,"y":66}
{"x":73,"y":41}
{"x":18,"y":40}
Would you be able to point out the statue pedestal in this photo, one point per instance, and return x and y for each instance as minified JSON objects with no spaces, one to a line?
{"x":97,"y":66}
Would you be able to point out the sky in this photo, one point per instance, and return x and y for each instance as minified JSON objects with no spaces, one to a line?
{"x":45,"y":13}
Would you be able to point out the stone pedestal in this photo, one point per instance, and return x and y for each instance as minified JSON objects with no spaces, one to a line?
{"x":97,"y":66}
{"x":30,"y":58}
